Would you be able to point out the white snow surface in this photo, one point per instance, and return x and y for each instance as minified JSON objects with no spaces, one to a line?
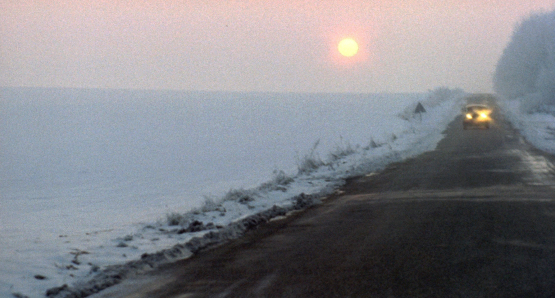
{"x":537,"y":128}
{"x":94,"y":178}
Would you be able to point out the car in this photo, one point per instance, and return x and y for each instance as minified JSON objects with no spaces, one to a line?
{"x":476,"y":115}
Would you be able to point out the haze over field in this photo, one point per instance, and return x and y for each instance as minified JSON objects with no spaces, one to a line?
{"x":99,"y":170}
{"x":274,"y":45}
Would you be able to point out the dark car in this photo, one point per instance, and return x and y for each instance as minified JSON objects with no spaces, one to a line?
{"x":476,"y":115}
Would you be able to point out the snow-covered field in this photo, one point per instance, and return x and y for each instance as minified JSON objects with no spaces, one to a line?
{"x":93,"y":178}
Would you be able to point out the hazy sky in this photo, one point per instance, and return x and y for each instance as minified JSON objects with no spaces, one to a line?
{"x":257,"y":45}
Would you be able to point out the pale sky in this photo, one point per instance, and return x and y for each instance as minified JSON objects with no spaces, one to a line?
{"x":257,"y":45}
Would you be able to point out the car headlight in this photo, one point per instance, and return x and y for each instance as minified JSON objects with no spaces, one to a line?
{"x":484,"y":115}
{"x":468,"y":116}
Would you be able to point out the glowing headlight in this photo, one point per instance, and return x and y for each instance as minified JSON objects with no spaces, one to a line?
{"x":483,"y":115}
{"x":468,"y":116}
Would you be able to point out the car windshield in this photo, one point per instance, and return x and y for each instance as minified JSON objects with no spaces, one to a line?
{"x":471,"y":109}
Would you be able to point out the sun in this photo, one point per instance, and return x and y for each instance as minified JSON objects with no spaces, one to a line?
{"x":348,"y":47}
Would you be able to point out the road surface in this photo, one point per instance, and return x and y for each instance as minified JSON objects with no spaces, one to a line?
{"x":473,"y":218}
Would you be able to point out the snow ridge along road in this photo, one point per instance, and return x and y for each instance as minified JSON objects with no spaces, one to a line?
{"x":121,"y":178}
{"x":473,"y":218}
{"x":136,"y":251}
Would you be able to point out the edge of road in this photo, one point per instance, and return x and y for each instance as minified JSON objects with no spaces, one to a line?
{"x":115,"y":274}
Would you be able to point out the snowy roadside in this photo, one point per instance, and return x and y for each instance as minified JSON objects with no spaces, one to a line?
{"x":537,"y":128}
{"x":227,"y":218}
{"x":525,"y":80}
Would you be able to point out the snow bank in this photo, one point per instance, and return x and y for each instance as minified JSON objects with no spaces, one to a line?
{"x":229,"y":217}
{"x":525,"y":80}
{"x":537,"y":128}
{"x":85,"y":174}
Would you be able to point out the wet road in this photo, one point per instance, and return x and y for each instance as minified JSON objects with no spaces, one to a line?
{"x":474,"y":218}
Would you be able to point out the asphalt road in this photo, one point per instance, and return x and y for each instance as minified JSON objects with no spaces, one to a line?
{"x":474,"y":218}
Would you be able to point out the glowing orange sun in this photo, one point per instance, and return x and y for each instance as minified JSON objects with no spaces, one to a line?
{"x":348,"y":47}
